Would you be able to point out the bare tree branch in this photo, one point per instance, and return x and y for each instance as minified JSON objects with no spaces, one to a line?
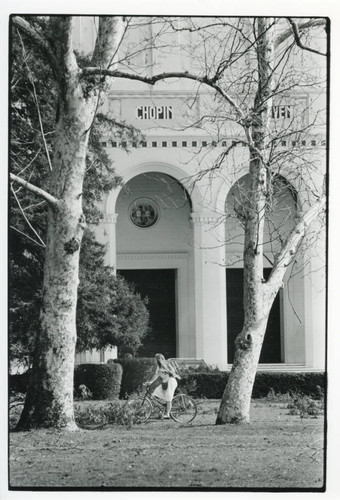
{"x":26,"y":236}
{"x":293,"y":241}
{"x":36,"y":190}
{"x":41,"y":126}
{"x":297,"y":38}
{"x":26,"y":219}
{"x":152,"y":80}
{"x":295,"y":31}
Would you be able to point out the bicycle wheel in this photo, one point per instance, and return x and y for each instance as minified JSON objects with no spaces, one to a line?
{"x":15,"y":410}
{"x":138,"y":410}
{"x":183,"y":409}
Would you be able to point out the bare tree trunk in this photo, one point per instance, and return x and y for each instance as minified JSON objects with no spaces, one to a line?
{"x":49,"y":401}
{"x":50,"y":397}
{"x":235,"y":404}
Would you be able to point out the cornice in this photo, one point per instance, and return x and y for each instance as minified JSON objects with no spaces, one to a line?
{"x":152,"y":256}
{"x":204,"y":218}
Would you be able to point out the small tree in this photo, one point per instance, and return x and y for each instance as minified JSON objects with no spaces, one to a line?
{"x":109,"y":311}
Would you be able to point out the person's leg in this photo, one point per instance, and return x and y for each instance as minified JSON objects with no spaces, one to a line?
{"x":168,"y":409}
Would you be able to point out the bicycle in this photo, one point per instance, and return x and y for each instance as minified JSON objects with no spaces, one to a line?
{"x":138,"y":409}
{"x":15,"y":410}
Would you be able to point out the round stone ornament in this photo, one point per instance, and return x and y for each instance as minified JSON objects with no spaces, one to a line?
{"x":143,"y":212}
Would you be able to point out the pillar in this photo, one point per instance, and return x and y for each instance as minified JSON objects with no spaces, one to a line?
{"x":315,"y":299}
{"x":210,"y":289}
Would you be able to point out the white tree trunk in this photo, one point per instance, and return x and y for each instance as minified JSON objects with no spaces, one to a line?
{"x":50,"y":396}
{"x":235,"y":404}
{"x":49,"y":401}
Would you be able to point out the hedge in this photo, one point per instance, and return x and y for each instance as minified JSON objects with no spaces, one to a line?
{"x":135,"y":372}
{"x":211,"y":385}
{"x":103,"y":380}
{"x":104,"y":383}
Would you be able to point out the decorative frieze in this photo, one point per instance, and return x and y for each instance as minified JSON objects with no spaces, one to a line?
{"x":204,"y":218}
{"x":109,"y":219}
{"x":152,"y":256}
{"x":190,"y":142}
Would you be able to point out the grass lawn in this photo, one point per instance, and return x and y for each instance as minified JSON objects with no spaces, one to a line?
{"x":276,"y":450}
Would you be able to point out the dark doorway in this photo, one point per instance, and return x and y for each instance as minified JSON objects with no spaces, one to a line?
{"x":159,"y":286}
{"x":271,"y":349}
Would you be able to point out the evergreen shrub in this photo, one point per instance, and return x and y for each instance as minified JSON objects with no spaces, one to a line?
{"x":211,"y":385}
{"x":308,"y":383}
{"x":102,"y":380}
{"x":205,"y":384}
{"x":135,"y":372}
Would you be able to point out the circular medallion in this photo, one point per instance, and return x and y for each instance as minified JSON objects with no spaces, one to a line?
{"x":144,"y":212}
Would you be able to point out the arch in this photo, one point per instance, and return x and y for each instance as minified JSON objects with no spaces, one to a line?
{"x":157,"y":258}
{"x":227,"y":185}
{"x":165,"y":168}
{"x":280,"y":339}
{"x":279,"y":221}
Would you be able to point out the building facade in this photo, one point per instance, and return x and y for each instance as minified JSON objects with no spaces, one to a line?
{"x":171,"y":228}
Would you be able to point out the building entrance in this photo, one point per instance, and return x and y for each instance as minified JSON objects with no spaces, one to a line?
{"x":159,"y":286}
{"x":271,"y":349}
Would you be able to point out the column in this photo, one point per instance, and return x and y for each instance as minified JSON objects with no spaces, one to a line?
{"x":210,"y":289}
{"x":315,"y":300}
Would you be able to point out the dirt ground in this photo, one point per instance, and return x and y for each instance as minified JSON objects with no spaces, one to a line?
{"x":275,"y":451}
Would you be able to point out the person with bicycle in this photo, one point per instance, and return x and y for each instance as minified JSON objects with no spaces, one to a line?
{"x":167,"y":377}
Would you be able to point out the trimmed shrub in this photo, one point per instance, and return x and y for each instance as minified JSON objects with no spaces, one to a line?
{"x":102,"y":380}
{"x":135,"y":372}
{"x":212,"y":385}
{"x":308,"y":383}
{"x":205,"y":384}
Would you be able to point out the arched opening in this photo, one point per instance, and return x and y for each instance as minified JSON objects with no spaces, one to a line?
{"x":153,"y":231}
{"x":281,"y":211}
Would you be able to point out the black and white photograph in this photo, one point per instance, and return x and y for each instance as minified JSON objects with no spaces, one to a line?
{"x":168,"y":227}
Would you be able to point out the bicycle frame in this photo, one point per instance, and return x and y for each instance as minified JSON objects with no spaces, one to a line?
{"x":153,"y":400}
